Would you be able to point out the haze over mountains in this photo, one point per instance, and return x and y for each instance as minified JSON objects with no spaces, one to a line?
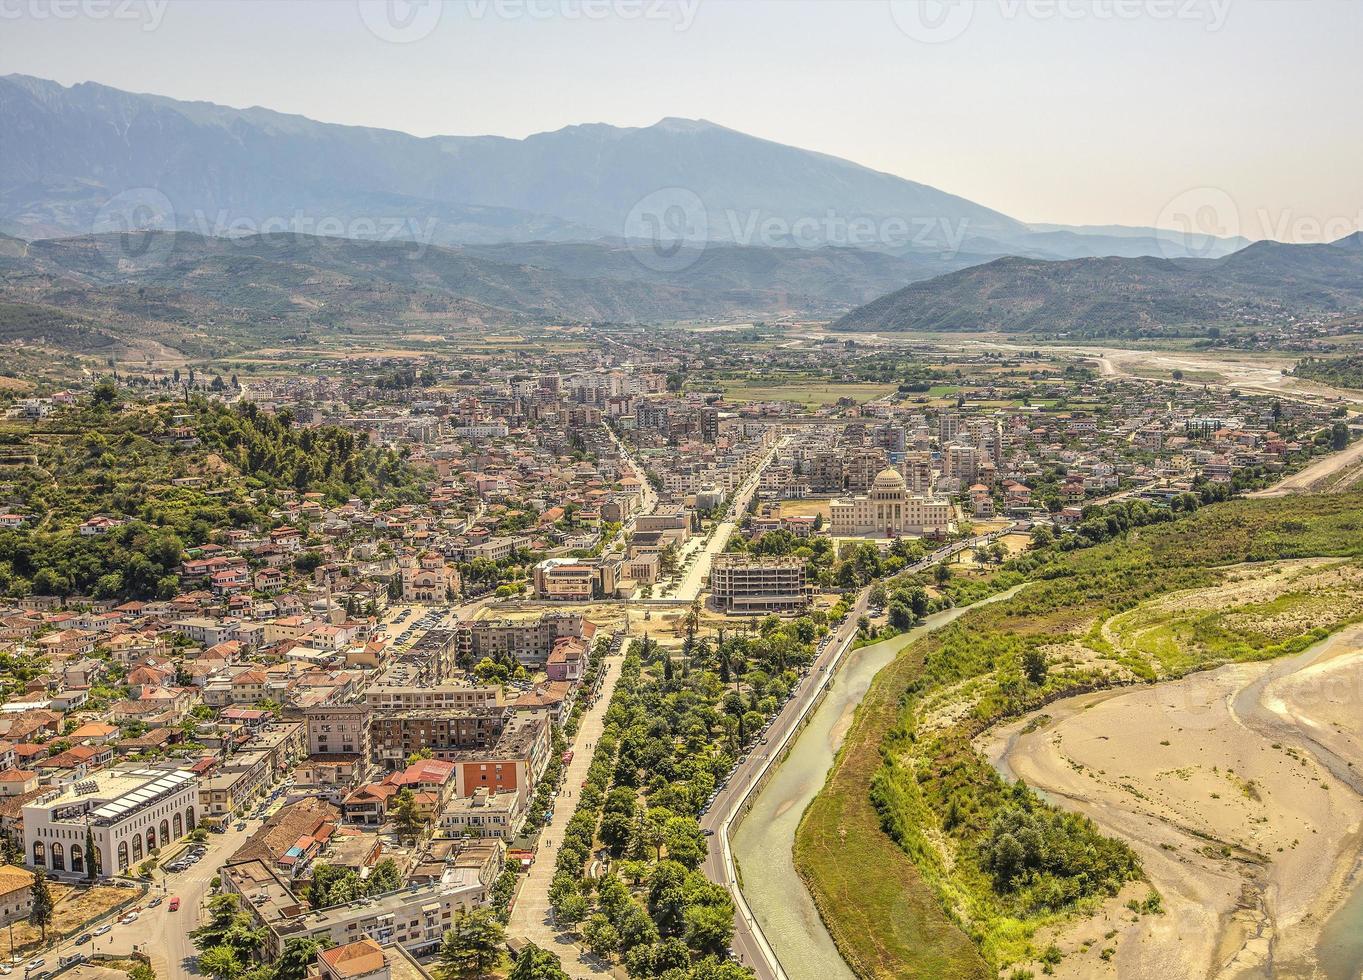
{"x":70,"y":151}
{"x":139,"y":212}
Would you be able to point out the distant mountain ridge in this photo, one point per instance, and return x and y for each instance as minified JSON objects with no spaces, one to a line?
{"x":76,"y":157}
{"x":1126,"y":296}
{"x":70,"y":149}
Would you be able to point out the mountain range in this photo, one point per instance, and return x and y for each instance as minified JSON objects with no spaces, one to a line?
{"x":203,"y":295}
{"x":208,"y":229}
{"x":81,"y":158}
{"x":1266,"y":282}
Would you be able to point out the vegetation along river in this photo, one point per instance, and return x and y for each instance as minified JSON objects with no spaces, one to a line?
{"x":763,"y":842}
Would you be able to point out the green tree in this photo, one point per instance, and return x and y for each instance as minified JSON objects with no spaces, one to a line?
{"x":40,"y":914}
{"x":408,"y":818}
{"x":534,"y":963}
{"x":220,"y":962}
{"x":142,"y":971}
{"x":709,"y":928}
{"x":295,"y":959}
{"x":384,"y":878}
{"x":223,"y":915}
{"x":1035,"y":667}
{"x":91,"y":868}
{"x":472,"y":945}
{"x":601,"y":937}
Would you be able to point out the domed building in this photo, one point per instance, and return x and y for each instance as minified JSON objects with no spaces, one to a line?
{"x":888,"y":510}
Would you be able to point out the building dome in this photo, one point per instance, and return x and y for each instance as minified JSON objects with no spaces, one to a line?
{"x":889,"y":479}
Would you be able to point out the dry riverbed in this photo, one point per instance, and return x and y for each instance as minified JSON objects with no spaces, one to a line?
{"x":1240,"y":789}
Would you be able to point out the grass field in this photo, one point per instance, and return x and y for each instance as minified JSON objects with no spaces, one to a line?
{"x":813,"y":393}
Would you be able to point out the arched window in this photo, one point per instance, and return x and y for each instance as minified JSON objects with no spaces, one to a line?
{"x":151,"y":840}
{"x":165,"y":832}
{"x":122,"y":855}
{"x":58,"y":856}
{"x":137,"y":848}
{"x":179,"y":827}
{"x":189,"y":817}
{"x":96,"y":859}
{"x":39,"y":854}
{"x":77,"y":859}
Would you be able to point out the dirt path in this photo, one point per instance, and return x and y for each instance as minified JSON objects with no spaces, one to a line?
{"x":1318,"y":474}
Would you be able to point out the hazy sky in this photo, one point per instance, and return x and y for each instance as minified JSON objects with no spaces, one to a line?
{"x":1245,"y":113}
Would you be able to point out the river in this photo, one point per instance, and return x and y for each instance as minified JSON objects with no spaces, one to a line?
{"x":763,"y":843}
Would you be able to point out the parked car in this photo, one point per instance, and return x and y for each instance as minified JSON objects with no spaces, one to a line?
{"x":83,"y":938}
{"x":103,"y":929}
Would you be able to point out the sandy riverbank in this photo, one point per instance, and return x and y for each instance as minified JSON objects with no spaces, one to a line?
{"x":1236,"y":789}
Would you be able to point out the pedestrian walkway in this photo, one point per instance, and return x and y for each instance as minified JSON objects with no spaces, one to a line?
{"x":530,"y":917}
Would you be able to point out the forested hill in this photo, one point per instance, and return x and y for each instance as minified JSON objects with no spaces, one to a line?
{"x":1127,"y":296}
{"x":174,"y":473}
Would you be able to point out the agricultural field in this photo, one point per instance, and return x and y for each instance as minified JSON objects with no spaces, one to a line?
{"x":813,"y":393}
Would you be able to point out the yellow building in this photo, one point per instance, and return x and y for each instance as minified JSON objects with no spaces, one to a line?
{"x":889,"y":510}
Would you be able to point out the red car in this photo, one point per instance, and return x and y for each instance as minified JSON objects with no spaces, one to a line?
{"x":174,"y":904}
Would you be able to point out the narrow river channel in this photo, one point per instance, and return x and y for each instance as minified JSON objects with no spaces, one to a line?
{"x":764,"y":841}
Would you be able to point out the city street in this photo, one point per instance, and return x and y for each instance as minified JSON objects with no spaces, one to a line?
{"x":694,"y":579}
{"x":530,"y":917}
{"x":160,"y":933}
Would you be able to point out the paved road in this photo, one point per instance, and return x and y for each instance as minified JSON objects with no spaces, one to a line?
{"x":530,"y":917}
{"x":691,"y":583}
{"x":750,"y":945}
{"x":160,"y":933}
